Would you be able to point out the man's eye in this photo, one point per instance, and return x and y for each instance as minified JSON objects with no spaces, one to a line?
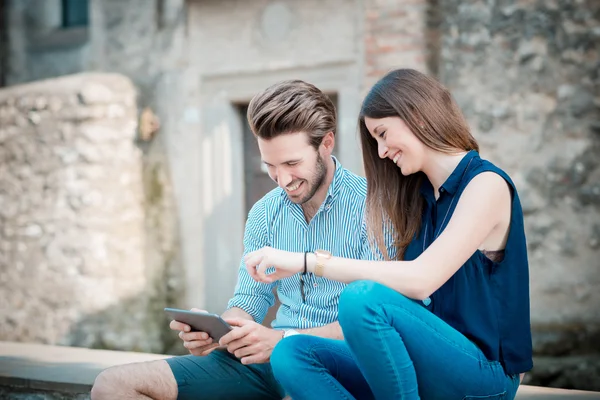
{"x":291,"y":164}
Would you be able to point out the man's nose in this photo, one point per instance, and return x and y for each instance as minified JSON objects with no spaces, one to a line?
{"x":284,"y":178}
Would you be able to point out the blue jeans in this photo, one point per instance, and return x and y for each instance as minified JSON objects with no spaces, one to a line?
{"x":394,"y":349}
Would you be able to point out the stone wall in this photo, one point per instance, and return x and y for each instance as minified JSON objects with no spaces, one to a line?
{"x":142,"y":40}
{"x":78,"y":218}
{"x":526,"y":75}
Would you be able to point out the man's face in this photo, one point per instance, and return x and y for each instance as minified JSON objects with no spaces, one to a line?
{"x":294,"y":164}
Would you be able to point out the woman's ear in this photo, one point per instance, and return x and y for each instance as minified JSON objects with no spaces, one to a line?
{"x":419,"y":120}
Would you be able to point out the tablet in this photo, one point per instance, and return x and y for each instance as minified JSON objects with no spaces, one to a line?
{"x":212,"y":324}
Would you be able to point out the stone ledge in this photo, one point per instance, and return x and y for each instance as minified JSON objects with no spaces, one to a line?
{"x":34,"y":368}
{"x":59,"y":368}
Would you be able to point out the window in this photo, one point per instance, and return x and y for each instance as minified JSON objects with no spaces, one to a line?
{"x":75,"y":13}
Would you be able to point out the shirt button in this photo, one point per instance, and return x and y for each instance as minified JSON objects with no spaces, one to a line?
{"x":304,"y":319}
{"x":327,"y":207}
{"x":315,"y":284}
{"x":427,"y":301}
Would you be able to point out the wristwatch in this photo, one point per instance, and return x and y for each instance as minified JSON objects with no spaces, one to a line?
{"x":322,"y":257}
{"x":290,"y":332}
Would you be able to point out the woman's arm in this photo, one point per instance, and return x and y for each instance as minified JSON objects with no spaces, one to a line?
{"x":485,"y":204}
{"x":478,"y":212}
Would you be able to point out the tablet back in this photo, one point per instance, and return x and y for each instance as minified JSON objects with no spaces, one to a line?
{"x":201,"y":322}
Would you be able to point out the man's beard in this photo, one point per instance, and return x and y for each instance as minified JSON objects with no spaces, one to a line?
{"x":316,"y":181}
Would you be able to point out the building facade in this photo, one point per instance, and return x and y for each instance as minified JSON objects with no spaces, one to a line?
{"x":524,"y":72}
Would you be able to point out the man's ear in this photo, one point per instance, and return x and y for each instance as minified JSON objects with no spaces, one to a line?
{"x":328,"y":143}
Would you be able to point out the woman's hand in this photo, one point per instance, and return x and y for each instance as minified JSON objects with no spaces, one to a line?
{"x":285,"y":263}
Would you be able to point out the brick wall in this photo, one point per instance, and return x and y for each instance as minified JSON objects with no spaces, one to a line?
{"x":394,"y":37}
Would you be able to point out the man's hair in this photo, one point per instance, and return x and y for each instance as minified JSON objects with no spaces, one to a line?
{"x":290,"y":107}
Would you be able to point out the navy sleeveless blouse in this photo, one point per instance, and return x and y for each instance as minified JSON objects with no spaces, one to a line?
{"x":486,"y":301}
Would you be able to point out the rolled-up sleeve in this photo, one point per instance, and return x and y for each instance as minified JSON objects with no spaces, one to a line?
{"x":253,"y":297}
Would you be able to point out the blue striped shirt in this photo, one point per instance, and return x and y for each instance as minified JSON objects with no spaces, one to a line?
{"x":338,"y":226}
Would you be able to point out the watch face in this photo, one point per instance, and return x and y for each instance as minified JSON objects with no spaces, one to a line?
{"x":323,"y":253}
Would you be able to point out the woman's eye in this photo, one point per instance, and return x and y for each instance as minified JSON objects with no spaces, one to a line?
{"x":382,"y":134}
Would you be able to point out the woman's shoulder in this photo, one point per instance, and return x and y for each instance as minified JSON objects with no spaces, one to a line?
{"x":482,"y":165}
{"x":494,"y":181}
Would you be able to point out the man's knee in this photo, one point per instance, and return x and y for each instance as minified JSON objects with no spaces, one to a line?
{"x":154,"y":379}
{"x":105,"y":384}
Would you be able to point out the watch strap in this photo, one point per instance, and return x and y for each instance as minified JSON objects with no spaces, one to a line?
{"x":290,"y":332}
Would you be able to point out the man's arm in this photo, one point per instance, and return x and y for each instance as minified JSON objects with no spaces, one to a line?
{"x":252,"y":298}
{"x":253,"y":343}
{"x":235,"y":312}
{"x":331,"y":331}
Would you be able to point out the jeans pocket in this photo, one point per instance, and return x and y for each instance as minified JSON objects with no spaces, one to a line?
{"x":499,"y":396}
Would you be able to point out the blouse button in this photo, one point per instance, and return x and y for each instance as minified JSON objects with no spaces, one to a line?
{"x":427,"y":301}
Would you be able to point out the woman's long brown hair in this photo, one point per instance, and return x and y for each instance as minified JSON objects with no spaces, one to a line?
{"x":394,"y":201}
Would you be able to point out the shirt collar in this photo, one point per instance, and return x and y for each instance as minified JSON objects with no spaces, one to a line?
{"x":336,"y":183}
{"x":453,"y":182}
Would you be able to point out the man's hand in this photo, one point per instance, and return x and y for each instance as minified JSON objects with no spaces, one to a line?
{"x":252,"y":343}
{"x":198,"y":343}
{"x":285,"y":263}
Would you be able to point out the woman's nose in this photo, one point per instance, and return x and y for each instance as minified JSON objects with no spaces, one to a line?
{"x":382,"y":150}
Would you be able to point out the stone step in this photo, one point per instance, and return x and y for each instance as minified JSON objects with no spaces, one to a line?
{"x":34,"y":368}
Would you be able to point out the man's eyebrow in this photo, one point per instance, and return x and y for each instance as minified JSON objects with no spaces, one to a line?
{"x":285,"y":162}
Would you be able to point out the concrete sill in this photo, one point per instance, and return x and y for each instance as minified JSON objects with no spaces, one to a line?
{"x":29,"y":367}
{"x":59,"y":368}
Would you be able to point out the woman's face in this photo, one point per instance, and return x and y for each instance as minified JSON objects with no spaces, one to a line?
{"x":397,"y":143}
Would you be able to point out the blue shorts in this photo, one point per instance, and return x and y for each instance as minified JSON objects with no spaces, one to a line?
{"x":220,"y":375}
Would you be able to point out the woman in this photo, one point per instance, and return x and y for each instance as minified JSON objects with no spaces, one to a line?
{"x":448,"y":316}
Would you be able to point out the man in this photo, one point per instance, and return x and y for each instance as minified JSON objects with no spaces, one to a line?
{"x":318,"y":205}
